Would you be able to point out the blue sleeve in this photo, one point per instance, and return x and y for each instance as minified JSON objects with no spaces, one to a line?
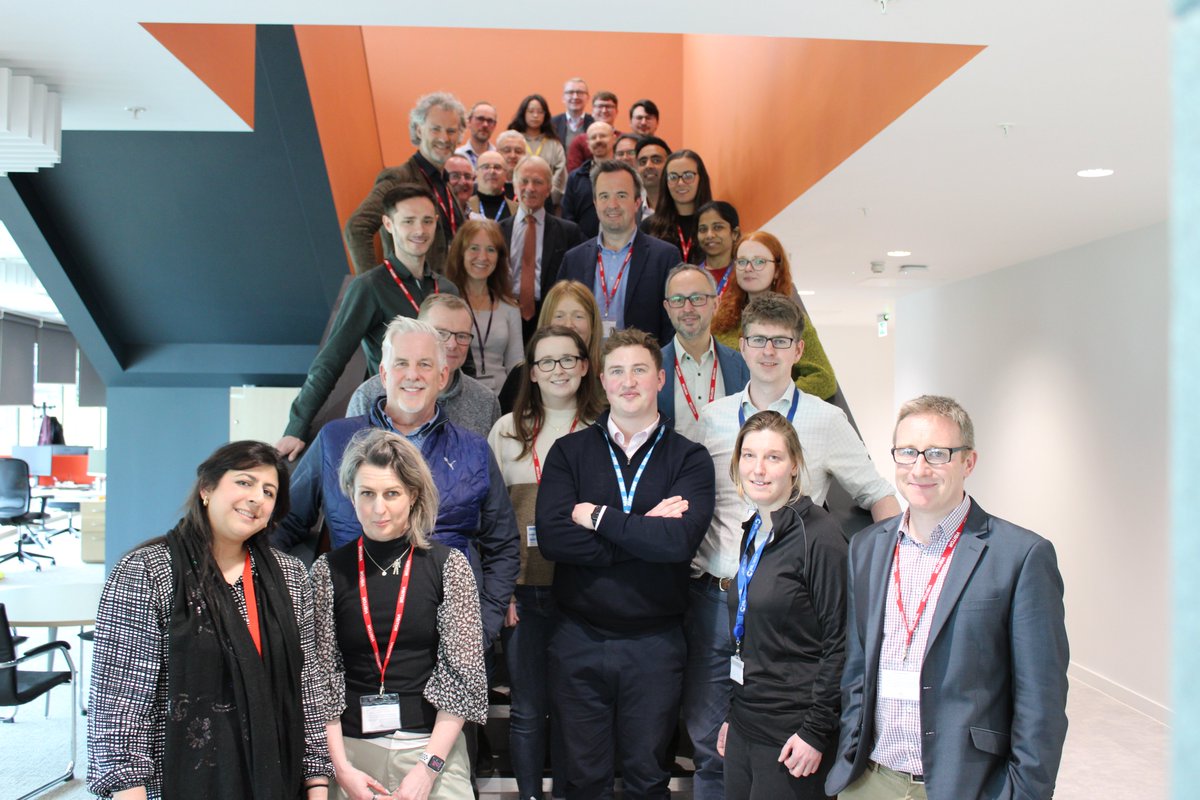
{"x":499,"y":552}
{"x":304,"y":493}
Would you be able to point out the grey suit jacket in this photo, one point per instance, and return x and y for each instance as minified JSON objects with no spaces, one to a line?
{"x":994,"y":675}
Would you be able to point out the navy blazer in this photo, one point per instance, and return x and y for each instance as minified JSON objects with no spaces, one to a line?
{"x":734,"y":373}
{"x":648,"y":267}
{"x":994,"y":676}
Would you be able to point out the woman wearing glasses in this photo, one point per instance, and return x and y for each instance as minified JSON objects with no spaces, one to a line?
{"x":788,"y":619}
{"x":683,"y":188}
{"x":478,"y":265}
{"x":533,"y":121}
{"x":554,"y":399}
{"x":762,"y":266}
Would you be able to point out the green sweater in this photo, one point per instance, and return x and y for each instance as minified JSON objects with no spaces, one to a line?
{"x":813,"y":373}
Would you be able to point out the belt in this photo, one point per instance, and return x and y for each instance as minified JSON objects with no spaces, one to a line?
{"x":712,"y":580}
{"x":908,"y":776}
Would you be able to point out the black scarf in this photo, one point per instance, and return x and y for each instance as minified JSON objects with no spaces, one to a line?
{"x":235,"y":721}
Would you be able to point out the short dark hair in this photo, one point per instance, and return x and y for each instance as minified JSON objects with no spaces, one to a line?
{"x":612,"y":165}
{"x":649,"y":105}
{"x":646,"y":141}
{"x":777,"y":309}
{"x":632,"y":337}
{"x":633,"y":137}
{"x":405,"y":191}
{"x":724,"y":210}
{"x":604,"y":94}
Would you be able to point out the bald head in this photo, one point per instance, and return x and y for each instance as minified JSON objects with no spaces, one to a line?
{"x":600,"y":140}
{"x":490,"y":173}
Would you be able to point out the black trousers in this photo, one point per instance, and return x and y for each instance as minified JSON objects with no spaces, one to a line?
{"x":753,"y":772}
{"x":615,"y":698}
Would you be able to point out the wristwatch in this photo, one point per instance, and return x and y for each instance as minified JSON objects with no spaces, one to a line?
{"x":596,"y":512}
{"x":433,"y":762}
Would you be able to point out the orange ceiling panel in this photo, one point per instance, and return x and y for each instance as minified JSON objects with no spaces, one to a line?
{"x":220,"y":55}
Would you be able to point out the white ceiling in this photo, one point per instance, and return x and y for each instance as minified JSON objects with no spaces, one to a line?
{"x":1083,"y":84}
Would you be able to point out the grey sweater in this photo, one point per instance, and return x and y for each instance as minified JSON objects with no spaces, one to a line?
{"x":467,"y":402}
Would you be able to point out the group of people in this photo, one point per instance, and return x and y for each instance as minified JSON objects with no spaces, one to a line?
{"x":599,"y":439}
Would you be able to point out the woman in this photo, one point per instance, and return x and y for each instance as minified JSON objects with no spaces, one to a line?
{"x":683,"y":188}
{"x":789,"y":625}
{"x":717,"y":231}
{"x":554,"y":400}
{"x":762,"y":266}
{"x":205,"y":681}
{"x":533,"y":121}
{"x":572,"y":305}
{"x":478,"y":265}
{"x":403,"y":678}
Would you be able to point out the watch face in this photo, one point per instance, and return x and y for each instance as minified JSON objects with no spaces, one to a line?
{"x":433,"y":762}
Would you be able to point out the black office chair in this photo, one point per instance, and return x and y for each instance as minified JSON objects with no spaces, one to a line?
{"x":21,"y":686}
{"x":14,"y":510}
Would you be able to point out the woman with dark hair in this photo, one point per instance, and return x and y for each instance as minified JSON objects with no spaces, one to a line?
{"x":533,"y":121}
{"x":478,"y":265}
{"x":788,"y":619}
{"x":205,"y":681}
{"x":554,"y":399}
{"x":762,"y":266}
{"x":398,"y":624}
{"x":683,"y":188}
{"x":718,"y":230}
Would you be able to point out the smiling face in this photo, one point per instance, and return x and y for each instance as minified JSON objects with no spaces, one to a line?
{"x":617,"y":202}
{"x":455,"y":321}
{"x":512,"y":150}
{"x":575,"y":97}
{"x":683,"y":191}
{"x":643,"y":124}
{"x":241,"y":503}
{"x":439,"y":134}
{"x":650,"y":161}
{"x":604,"y":111}
{"x":932,"y":492}
{"x":460,"y":175}
{"x":599,"y":140}
{"x":626,"y":150}
{"x":412,"y":224}
{"x":480,"y":257}
{"x":571,"y":313}
{"x":690,"y":321}
{"x":769,"y":365}
{"x":490,"y":173}
{"x":533,"y":185}
{"x":631,"y":382}
{"x":481,"y":123}
{"x":560,"y":385}
{"x":755,"y":282}
{"x":767,"y":470}
{"x":412,"y":379}
{"x":535,"y":116}
{"x":716,"y":235}
{"x":381,"y":503}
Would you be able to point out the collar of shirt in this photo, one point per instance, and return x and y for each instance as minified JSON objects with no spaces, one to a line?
{"x":635,"y":441}
{"x":782,"y":405}
{"x":417,"y":436}
{"x":682,"y":354}
{"x":621,"y":252}
{"x":436,"y":173}
{"x":943,"y":530}
{"x":522,"y":213}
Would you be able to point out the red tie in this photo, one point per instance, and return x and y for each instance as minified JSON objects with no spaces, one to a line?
{"x":528,"y":267}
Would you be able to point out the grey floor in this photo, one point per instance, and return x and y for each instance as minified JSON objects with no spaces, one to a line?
{"x":1112,"y":751}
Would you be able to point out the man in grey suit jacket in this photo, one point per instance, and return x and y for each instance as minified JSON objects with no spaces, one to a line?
{"x":956,"y":650}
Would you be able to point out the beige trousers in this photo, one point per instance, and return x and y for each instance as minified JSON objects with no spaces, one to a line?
{"x":389,"y":764}
{"x":881,"y":783}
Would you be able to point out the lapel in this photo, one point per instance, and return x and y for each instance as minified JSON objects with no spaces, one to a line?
{"x":879,"y":571}
{"x":636,"y":268}
{"x":966,"y":555}
{"x":666,"y":398}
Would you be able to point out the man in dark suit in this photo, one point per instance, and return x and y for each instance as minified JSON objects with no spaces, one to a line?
{"x":627,"y":272}
{"x":573,"y":121}
{"x":553,"y":237}
{"x":577,"y":204}
{"x":956,"y":651}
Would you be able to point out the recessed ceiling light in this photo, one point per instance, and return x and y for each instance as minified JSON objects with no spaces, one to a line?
{"x":1094,"y":173}
{"x":899,"y":253}
{"x":806,"y":292}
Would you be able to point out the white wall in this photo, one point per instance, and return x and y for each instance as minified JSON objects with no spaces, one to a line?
{"x":864,"y":365}
{"x":1062,"y":364}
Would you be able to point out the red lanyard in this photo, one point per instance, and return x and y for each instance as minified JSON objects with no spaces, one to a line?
{"x":608,"y":296}
{"x":251,"y":604}
{"x":366,"y":610}
{"x":712,"y":386}
{"x":387,"y":263}
{"x":685,"y":245}
{"x":448,"y":211}
{"x":537,"y":465}
{"x":937,"y":570}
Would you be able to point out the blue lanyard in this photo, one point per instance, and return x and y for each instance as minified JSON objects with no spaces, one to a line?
{"x":790,"y":415}
{"x":746,"y":569}
{"x":724,"y":280}
{"x":627,"y":496}
{"x":500,"y":210}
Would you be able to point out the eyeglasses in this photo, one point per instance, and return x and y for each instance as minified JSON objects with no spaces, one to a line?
{"x":460,"y":176}
{"x":566,"y":362}
{"x":458,"y":336}
{"x":490,"y":167}
{"x":697,"y":300}
{"x":484,"y":120}
{"x":686,"y":177}
{"x":575,"y":91}
{"x":934,"y":456}
{"x":778,"y":342}
{"x":753,"y":264}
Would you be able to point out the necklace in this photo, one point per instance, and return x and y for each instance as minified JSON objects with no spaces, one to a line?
{"x":395,"y":566}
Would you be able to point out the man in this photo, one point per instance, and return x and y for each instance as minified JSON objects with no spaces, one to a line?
{"x":465,"y":401}
{"x":489,"y":201}
{"x":371,"y":301}
{"x":460,"y":177}
{"x":956,"y":651}
{"x":622,"y":267}
{"x":604,"y":109}
{"x":573,"y":121}
{"x":474,"y":512}
{"x":434,"y":126}
{"x":652,"y":155}
{"x":535,"y":259}
{"x":480,"y":124}
{"x":643,"y":117}
{"x":699,"y":368}
{"x":511,"y":145}
{"x":577,"y":199}
{"x":626,"y":148}
{"x":621,"y":508}
{"x":772,"y":327}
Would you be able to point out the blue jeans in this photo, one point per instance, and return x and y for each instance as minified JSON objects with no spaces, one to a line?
{"x":706,"y":685}
{"x":525,"y":650}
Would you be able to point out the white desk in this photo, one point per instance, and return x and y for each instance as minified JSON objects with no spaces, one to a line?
{"x":52,"y":605}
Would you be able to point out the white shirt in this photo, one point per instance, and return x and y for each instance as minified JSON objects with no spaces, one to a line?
{"x":517,"y":248}
{"x":698,"y":377}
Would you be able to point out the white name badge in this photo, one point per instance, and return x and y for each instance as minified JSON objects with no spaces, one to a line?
{"x":380,"y":712}
{"x":609,"y":327}
{"x":737,"y":669}
{"x":900,"y":684}
{"x":531,"y":536}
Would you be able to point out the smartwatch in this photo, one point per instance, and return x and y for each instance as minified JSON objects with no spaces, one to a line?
{"x":596,"y":512}
{"x":433,"y":762}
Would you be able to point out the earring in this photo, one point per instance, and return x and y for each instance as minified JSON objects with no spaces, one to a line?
{"x":205,"y":500}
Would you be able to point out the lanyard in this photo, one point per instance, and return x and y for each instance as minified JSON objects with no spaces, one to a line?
{"x":685,"y":245}
{"x":483,"y":337}
{"x":746,"y":569}
{"x":712,"y":386}
{"x":447,"y":211}
{"x":790,"y":415}
{"x":251,"y":605}
{"x":499,"y":209}
{"x":608,"y":296}
{"x":391,"y":271}
{"x":541,"y":143}
{"x":910,"y":630}
{"x":366,"y":610}
{"x":724,"y":282}
{"x":537,"y":465}
{"x":627,"y":495}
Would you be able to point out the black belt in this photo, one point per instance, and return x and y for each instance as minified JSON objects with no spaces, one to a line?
{"x":910,"y":777}
{"x":712,"y":580}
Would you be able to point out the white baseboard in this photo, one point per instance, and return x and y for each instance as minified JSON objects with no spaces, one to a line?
{"x":1121,"y":694}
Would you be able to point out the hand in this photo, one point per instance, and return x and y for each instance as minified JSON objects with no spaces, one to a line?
{"x":358,"y":785}
{"x":417,"y":784}
{"x":581,"y":515}
{"x":800,"y":757}
{"x":669,"y":507}
{"x":510,"y":617}
{"x":289,"y":447}
{"x":721,"y":735}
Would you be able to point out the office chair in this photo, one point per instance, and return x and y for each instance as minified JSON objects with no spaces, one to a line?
{"x":14,"y":510}
{"x":20,"y":686}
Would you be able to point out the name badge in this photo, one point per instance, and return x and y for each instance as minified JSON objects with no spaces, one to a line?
{"x":380,"y":712}
{"x":531,"y":536}
{"x":608,"y":326}
{"x":737,"y":669}
{"x":900,"y":684}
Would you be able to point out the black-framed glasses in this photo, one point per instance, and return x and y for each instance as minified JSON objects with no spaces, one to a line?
{"x":458,"y":336}
{"x":934,"y":456}
{"x":547,"y":364}
{"x":686,"y":177}
{"x":757,"y":264}
{"x":698,"y":300}
{"x":778,"y":342}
